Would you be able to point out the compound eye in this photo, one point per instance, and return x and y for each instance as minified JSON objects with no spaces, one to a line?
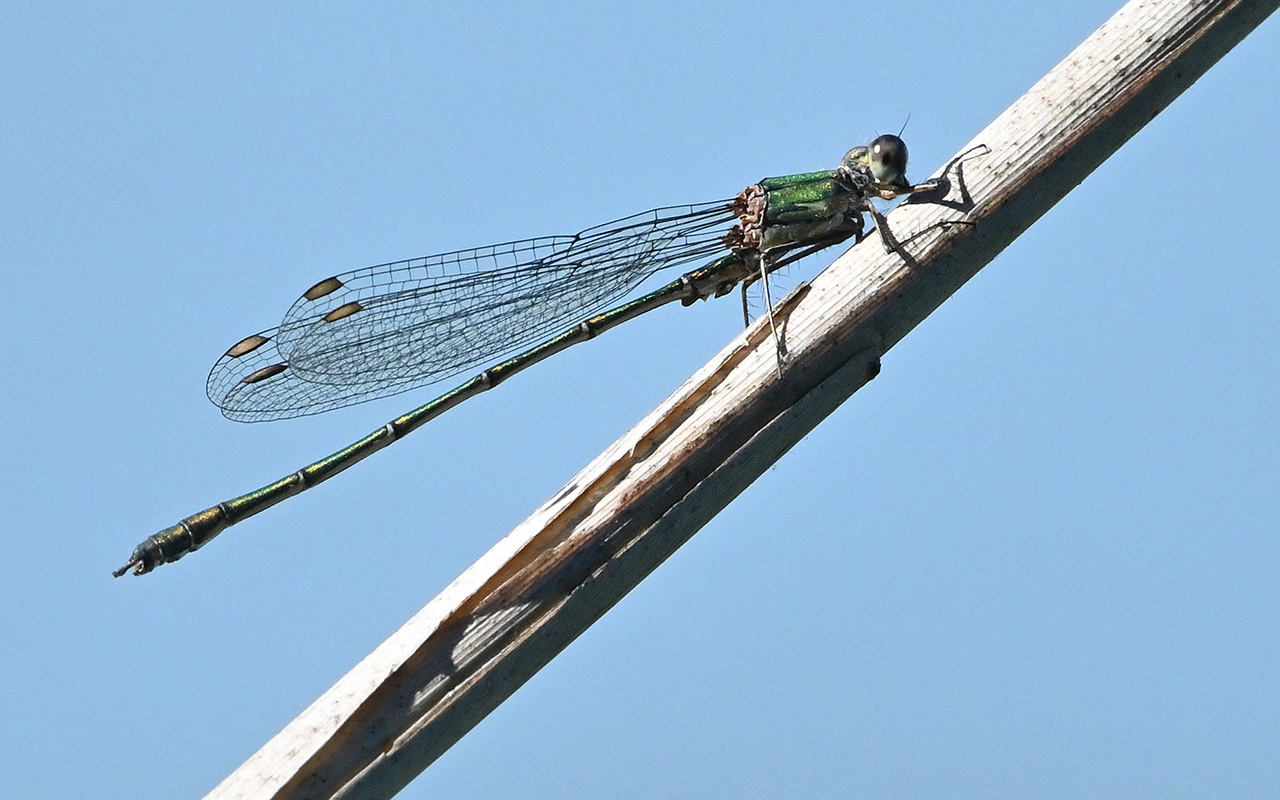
{"x":889,"y":159}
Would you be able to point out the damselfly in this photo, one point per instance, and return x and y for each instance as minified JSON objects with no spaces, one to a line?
{"x":386,"y":329}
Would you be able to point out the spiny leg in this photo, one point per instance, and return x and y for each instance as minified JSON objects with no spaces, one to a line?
{"x":943,"y":224}
{"x":777,"y":260}
{"x":891,"y":244}
{"x":770,"y":262}
{"x":882,"y":225}
{"x":765,"y":259}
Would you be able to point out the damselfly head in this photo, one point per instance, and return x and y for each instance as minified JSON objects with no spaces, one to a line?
{"x":887,"y":157}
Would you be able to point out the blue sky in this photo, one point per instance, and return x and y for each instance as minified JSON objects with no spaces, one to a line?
{"x":1037,"y":557}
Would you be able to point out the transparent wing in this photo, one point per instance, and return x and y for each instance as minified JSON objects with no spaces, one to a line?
{"x":385,"y":329}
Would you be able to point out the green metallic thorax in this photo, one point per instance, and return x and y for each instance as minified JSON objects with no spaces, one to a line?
{"x":811,"y":206}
